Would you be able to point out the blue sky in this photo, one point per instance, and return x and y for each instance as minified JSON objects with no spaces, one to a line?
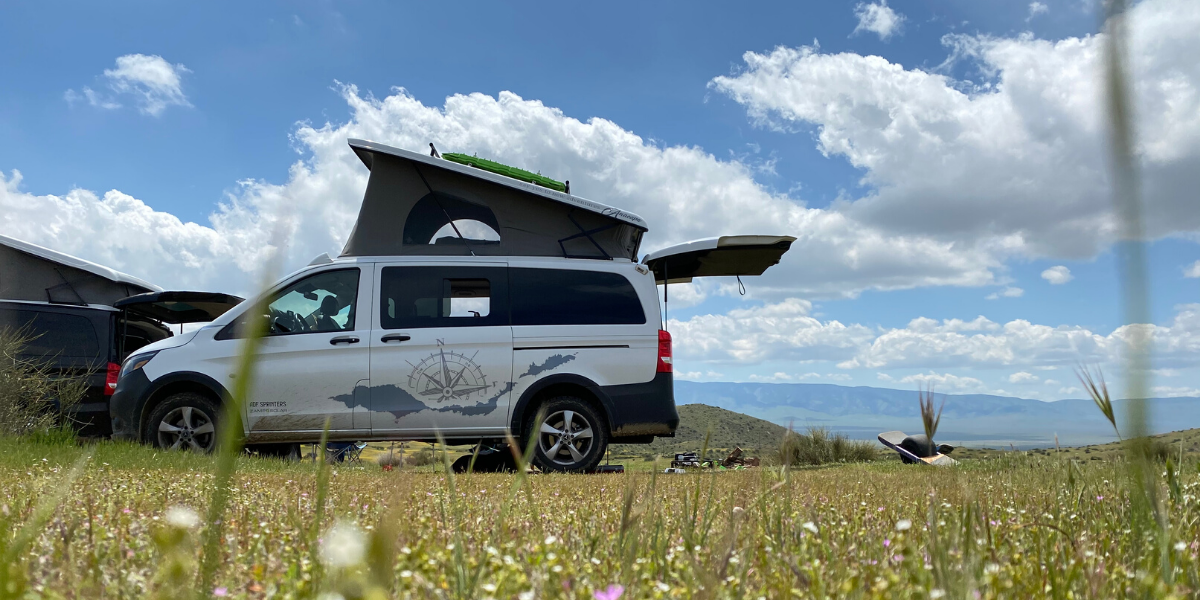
{"x":794,"y":130}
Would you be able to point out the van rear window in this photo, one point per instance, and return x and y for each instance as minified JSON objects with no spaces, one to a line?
{"x":53,"y":334}
{"x":569,"y":297}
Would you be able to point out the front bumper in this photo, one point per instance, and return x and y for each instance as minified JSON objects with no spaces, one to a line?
{"x":125,"y":405}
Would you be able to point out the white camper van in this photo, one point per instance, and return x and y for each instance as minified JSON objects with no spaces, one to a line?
{"x":465,"y":304}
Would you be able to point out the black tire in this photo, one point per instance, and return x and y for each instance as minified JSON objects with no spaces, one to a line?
{"x":576,"y":453}
{"x":168,"y":426}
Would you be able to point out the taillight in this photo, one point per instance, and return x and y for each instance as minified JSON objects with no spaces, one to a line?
{"x":110,"y":378}
{"x":664,"y":351}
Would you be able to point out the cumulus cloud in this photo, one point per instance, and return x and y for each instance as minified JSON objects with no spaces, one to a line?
{"x":785,"y":330}
{"x":1023,"y":377}
{"x":788,"y":332}
{"x":1008,"y":292}
{"x":1057,"y":275}
{"x":945,"y":382}
{"x":1020,"y":162}
{"x":683,"y":192}
{"x":1192,"y":271}
{"x":151,"y":81}
{"x":877,"y":18}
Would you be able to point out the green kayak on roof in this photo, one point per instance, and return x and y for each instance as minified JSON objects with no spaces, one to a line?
{"x":505,"y":170}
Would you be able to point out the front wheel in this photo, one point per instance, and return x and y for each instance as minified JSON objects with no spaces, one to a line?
{"x":570,"y":435}
{"x":186,"y":421}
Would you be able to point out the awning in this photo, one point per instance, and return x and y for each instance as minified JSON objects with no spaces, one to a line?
{"x":725,"y":256}
{"x":180,"y":307}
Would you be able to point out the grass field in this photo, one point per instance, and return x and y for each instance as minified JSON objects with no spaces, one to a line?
{"x":1017,"y":527}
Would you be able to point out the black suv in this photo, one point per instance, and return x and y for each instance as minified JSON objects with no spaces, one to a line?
{"x":76,"y":340}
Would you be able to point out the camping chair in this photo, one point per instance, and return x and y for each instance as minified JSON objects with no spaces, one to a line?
{"x":344,"y":451}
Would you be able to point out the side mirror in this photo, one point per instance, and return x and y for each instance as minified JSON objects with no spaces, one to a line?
{"x":945,"y":449}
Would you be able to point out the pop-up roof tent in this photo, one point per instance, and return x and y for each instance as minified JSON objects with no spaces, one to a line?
{"x":425,"y":205}
{"x":411,"y":197}
{"x":31,"y":272}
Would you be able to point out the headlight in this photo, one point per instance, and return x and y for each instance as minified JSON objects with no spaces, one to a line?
{"x":136,"y":362}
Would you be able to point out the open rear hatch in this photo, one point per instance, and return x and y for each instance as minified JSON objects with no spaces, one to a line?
{"x":725,"y":256}
{"x":179,"y":307}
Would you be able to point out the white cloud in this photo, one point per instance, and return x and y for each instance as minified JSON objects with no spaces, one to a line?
{"x":1192,"y":271}
{"x":1035,"y":9}
{"x":684,"y":192}
{"x":877,"y":18}
{"x":1008,"y":292}
{"x":1020,"y":154}
{"x":1174,"y":392}
{"x":1057,"y":275}
{"x":152,"y":82}
{"x":1051,"y":382}
{"x":946,"y":382}
{"x":783,"y":331}
{"x":1023,"y":377}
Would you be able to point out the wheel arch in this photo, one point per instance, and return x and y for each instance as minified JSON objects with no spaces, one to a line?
{"x":559,"y":385}
{"x":168,"y":385}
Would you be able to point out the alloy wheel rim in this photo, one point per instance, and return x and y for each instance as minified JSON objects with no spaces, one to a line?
{"x":188,"y":428}
{"x":565,"y":437}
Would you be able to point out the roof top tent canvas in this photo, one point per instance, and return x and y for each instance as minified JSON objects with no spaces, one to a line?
{"x":411,"y":199}
{"x":31,"y":272}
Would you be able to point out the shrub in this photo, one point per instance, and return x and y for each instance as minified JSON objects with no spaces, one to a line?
{"x":33,"y":398}
{"x":391,"y":459}
{"x":422,"y":458}
{"x":818,"y":446}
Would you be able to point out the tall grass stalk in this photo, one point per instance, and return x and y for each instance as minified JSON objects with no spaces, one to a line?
{"x":929,"y":418}
{"x":1132,"y":268}
{"x":232,"y":432}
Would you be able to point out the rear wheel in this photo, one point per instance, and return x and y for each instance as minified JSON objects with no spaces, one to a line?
{"x":570,"y":435}
{"x":186,"y":421}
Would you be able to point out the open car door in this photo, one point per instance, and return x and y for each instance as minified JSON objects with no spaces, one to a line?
{"x":728,"y":256}
{"x":179,"y":307}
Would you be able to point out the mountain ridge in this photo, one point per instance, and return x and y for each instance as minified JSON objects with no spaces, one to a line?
{"x":970,"y":419}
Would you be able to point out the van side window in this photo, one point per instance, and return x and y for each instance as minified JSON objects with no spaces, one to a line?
{"x":53,"y":335}
{"x":418,"y":297}
{"x":569,"y":297}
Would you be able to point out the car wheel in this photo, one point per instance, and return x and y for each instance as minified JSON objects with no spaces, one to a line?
{"x":570,"y":435}
{"x":186,"y":421}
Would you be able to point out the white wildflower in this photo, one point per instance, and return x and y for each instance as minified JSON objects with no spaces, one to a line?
{"x":182,"y":517}
{"x":344,"y":545}
{"x":903,"y":525}
{"x":936,"y":593}
{"x":810,"y":526}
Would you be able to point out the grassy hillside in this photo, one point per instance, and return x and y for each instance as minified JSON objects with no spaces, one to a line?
{"x":1188,"y":440}
{"x":729,"y":429}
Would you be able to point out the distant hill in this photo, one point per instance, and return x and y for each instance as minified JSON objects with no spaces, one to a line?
{"x":970,"y":420}
{"x":729,"y":429}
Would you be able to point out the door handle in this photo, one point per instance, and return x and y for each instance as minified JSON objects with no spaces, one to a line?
{"x":395,"y":337}
{"x":344,"y":339}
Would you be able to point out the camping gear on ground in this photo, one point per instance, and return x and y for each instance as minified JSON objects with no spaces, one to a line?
{"x":686,"y":459}
{"x":917,"y":448}
{"x":344,"y":451}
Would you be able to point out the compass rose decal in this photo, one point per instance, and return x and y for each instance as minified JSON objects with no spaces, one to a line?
{"x":447,"y":376}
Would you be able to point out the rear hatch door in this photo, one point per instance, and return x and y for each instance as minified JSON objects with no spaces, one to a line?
{"x":179,"y":307}
{"x":725,"y":256}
